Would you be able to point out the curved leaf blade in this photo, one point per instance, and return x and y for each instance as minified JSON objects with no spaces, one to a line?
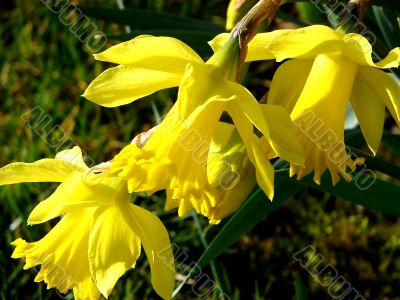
{"x":147,"y":19}
{"x":256,"y":208}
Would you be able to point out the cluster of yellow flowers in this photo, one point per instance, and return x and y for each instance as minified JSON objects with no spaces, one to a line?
{"x":203,"y":163}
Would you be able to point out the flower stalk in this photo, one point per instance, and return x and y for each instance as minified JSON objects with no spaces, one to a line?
{"x":246,"y":28}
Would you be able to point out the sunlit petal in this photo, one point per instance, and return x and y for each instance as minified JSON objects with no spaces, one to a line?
{"x":113,"y":248}
{"x":156,"y":244}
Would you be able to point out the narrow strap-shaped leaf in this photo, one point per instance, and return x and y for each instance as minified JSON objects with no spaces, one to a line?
{"x":147,"y":19}
{"x":364,"y":190}
{"x":378,"y":164}
{"x":300,"y":287}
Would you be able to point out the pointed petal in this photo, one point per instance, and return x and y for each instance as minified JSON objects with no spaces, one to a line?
{"x":124,"y":84}
{"x":385,"y":87}
{"x":283,"y":139}
{"x":304,"y":42}
{"x":144,"y":69}
{"x":370,"y":112}
{"x":358,"y":49}
{"x":217,"y":42}
{"x":249,"y":107}
{"x":145,"y":51}
{"x":79,"y":191}
{"x":113,"y":248}
{"x":156,"y":244}
{"x":392,"y":60}
{"x":73,"y":156}
{"x":264,"y":169}
{"x":44,"y":170}
{"x":288,"y":83}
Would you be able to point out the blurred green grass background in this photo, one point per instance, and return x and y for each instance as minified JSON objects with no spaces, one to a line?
{"x":43,"y":65}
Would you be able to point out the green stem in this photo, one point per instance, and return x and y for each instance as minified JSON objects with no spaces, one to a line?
{"x":205,"y":245}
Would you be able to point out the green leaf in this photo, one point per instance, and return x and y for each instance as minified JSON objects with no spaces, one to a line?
{"x":256,"y":208}
{"x":300,"y":287}
{"x":146,"y":19}
{"x":365,"y":189}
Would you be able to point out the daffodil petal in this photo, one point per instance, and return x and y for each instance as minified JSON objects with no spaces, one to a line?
{"x":79,"y":191}
{"x":149,"y":51}
{"x":370,"y":112}
{"x":283,"y":139}
{"x":124,"y":84}
{"x":271,"y":45}
{"x":249,"y":107}
{"x":392,"y":60}
{"x":288,"y":83}
{"x":73,"y":156}
{"x":44,"y":170}
{"x":264,"y":169}
{"x":144,"y":69}
{"x":359,"y":49}
{"x":156,"y":244}
{"x":304,"y":42}
{"x":385,"y":87}
{"x":113,"y":248}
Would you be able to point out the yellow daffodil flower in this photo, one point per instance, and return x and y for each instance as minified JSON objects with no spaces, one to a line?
{"x":182,"y":140}
{"x":99,"y":236}
{"x":327,"y":71}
